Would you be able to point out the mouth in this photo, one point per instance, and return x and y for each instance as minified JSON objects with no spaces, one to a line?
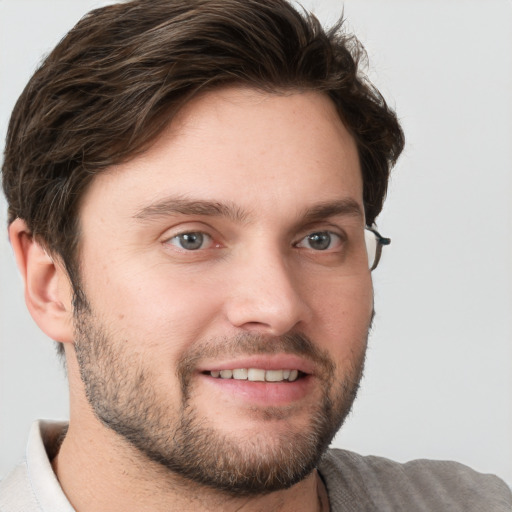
{"x":257,"y":374}
{"x":262,"y":379}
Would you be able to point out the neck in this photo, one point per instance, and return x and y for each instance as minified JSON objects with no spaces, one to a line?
{"x":118,"y":478}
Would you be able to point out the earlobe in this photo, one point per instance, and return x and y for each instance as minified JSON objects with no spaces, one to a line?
{"x":48,"y":293}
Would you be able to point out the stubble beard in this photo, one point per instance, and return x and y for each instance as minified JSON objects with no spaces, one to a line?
{"x":122,"y":395}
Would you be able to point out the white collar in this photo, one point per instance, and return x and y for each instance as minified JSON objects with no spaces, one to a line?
{"x":41,"y":441}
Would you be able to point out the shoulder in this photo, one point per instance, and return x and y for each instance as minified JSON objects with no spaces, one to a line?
{"x":381,"y":484}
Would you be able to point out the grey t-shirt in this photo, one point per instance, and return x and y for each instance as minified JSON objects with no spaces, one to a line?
{"x":369,"y":484}
{"x":354,"y":483}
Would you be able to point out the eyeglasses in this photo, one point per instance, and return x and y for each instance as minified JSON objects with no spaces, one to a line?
{"x":374,"y":243}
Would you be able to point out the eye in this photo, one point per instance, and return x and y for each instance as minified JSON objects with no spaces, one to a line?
{"x":192,"y":241}
{"x":320,"y":241}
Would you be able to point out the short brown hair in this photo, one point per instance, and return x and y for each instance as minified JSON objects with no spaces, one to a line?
{"x":118,"y":77}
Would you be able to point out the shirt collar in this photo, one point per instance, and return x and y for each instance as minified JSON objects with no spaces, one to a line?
{"x":43,"y":443}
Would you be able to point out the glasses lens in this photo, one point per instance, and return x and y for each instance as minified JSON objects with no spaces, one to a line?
{"x":371,"y":247}
{"x":374,"y":244}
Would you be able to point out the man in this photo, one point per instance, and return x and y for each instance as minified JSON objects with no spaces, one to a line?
{"x":191,"y":190}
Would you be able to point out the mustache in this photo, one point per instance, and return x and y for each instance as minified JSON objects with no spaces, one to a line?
{"x":248,"y":344}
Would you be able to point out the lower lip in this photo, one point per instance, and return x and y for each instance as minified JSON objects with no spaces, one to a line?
{"x":262,"y":393}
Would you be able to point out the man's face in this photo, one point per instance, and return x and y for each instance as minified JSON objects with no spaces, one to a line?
{"x":228,"y":296}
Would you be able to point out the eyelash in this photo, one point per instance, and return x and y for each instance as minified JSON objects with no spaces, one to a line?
{"x":333,"y":238}
{"x":199,"y":237}
{"x":180,"y":236}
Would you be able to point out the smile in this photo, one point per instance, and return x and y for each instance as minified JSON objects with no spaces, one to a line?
{"x":257,"y":374}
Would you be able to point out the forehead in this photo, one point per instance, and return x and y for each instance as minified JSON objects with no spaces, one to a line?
{"x":240,"y":146}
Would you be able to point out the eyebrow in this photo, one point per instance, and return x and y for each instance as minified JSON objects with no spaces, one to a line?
{"x":182,"y":206}
{"x":341,"y":207}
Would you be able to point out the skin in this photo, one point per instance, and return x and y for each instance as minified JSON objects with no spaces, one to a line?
{"x":270,"y":158}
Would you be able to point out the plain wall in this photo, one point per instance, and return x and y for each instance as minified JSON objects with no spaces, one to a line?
{"x":438,"y":381}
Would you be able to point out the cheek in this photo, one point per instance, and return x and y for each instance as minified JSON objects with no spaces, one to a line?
{"x":154,"y":310}
{"x":352,"y":296}
{"x":343,"y":312}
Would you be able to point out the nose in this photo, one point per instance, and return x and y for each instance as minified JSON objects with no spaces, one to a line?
{"x":265,"y":295}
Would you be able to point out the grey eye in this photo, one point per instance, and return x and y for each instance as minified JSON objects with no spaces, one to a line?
{"x":319,"y":241}
{"x":190,"y":241}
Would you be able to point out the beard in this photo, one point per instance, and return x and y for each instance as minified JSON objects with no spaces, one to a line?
{"x":120,"y":389}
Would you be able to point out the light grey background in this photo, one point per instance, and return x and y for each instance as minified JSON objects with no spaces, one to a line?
{"x":439,"y":375}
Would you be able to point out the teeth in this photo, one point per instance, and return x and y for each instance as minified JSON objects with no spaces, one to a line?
{"x":274,"y":375}
{"x":240,"y":374}
{"x":256,"y":374}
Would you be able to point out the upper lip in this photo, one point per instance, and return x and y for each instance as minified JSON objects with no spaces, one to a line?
{"x":261,"y":361}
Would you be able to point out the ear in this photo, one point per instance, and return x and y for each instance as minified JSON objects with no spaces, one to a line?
{"x":48,"y":292}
